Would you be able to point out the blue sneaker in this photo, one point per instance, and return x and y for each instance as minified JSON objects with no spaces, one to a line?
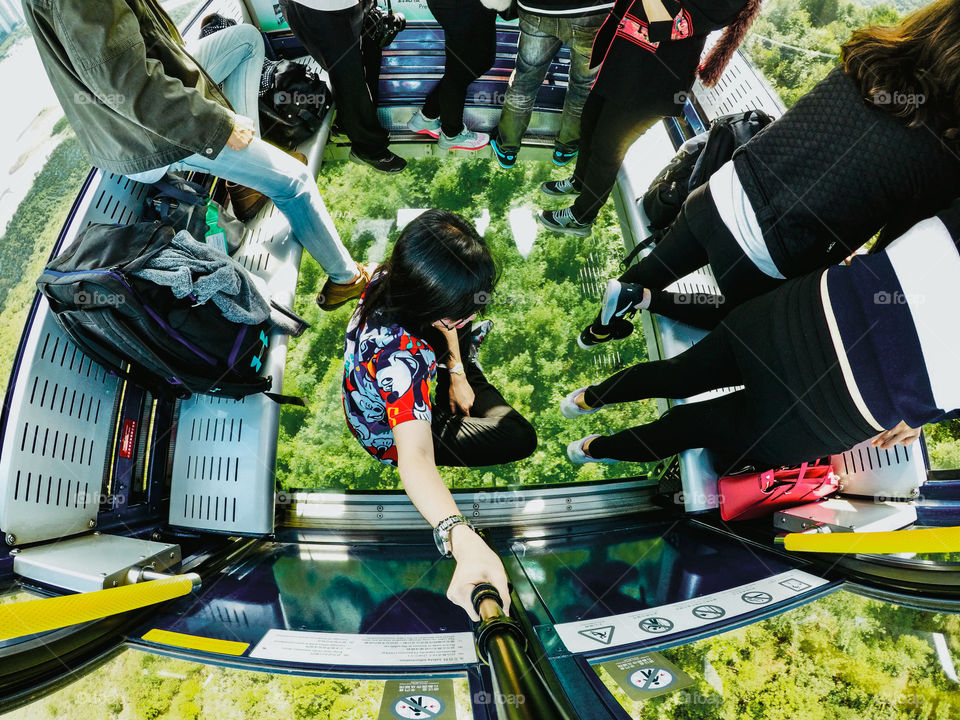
{"x":506,"y":160}
{"x":561,"y":156}
{"x":420,"y":123}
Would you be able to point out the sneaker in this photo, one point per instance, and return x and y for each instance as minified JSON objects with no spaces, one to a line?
{"x":420,"y":123}
{"x":620,"y":299}
{"x":592,"y":335}
{"x":333,"y":295}
{"x":389,"y":164}
{"x":559,"y":188}
{"x":578,"y":457}
{"x":466,"y":140}
{"x":506,"y":160}
{"x":561,"y":156}
{"x":563,"y":221}
{"x":569,"y":407}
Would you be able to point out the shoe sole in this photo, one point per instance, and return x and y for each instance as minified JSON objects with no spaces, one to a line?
{"x":583,"y":346}
{"x":609,"y":302}
{"x":462,"y":147}
{"x":578,"y":232}
{"x":564,"y":163}
{"x":549,"y":193}
{"x":431,"y":133}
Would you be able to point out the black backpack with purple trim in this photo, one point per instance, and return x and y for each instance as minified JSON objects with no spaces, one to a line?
{"x":139,"y":330}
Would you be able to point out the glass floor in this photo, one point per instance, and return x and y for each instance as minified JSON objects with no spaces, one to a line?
{"x":548,"y":291}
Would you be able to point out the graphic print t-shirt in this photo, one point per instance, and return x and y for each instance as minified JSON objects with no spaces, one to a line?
{"x":387,"y":377}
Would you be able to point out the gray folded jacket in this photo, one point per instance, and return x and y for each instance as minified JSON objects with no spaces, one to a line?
{"x":187,"y":267}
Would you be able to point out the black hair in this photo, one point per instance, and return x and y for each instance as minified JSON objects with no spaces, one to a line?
{"x":440,"y":268}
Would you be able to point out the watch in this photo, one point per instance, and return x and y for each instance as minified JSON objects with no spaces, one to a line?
{"x":441,"y":533}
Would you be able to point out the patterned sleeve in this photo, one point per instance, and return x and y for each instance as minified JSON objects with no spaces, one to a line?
{"x":404,"y":371}
{"x":694,"y":17}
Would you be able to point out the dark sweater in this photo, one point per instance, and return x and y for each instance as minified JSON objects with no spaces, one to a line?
{"x":829,"y":174}
{"x":895,"y":314}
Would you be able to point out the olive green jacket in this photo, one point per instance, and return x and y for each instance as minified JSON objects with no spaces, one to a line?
{"x":134,"y":96}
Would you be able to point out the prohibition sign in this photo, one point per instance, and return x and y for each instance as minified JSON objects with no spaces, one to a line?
{"x":656,"y":625}
{"x":709,"y":612}
{"x":417,"y":707}
{"x":756,"y":598}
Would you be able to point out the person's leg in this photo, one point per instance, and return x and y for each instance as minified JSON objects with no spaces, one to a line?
{"x":708,"y":365}
{"x":470,"y":46}
{"x":289,"y":184}
{"x":718,"y":422}
{"x":578,"y":34}
{"x":617,"y":129}
{"x":333,"y":39}
{"x":494,"y":434}
{"x":537,"y":48}
{"x":234,"y":57}
{"x":589,"y":118}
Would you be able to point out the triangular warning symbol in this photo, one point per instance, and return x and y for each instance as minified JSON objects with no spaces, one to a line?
{"x":601,"y":634}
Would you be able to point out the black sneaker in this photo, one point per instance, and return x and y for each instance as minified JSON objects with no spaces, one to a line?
{"x":506,"y":159}
{"x":591,"y":335}
{"x":561,"y":155}
{"x":559,"y":188}
{"x":620,"y":299}
{"x":389,"y":164}
{"x":563,"y":221}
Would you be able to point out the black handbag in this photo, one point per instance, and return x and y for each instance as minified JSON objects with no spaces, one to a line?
{"x":293,"y":102}
{"x":185,"y":205}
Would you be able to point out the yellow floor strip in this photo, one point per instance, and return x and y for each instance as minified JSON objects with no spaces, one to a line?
{"x":195,"y":642}
{"x":35,"y":616}
{"x":921,"y":540}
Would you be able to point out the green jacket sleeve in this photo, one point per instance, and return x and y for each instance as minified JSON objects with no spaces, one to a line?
{"x":107,"y":50}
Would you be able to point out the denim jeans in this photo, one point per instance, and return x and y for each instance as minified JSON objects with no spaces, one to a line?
{"x":540,"y":39}
{"x":234,"y":57}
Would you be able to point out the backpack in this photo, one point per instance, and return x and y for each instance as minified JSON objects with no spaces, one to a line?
{"x":293,"y":102}
{"x":185,"y":205}
{"x":139,"y":330}
{"x":696,"y":161}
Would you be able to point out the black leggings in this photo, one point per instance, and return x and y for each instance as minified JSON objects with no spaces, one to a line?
{"x":494,"y":434}
{"x":352,"y":60}
{"x":607,"y":130}
{"x":794,"y":405}
{"x":698,"y":236}
{"x":470,"y":42}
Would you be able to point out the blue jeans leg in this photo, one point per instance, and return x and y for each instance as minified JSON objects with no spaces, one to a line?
{"x":289,"y":184}
{"x":538,"y":46}
{"x":234,"y":57}
{"x":578,"y":34}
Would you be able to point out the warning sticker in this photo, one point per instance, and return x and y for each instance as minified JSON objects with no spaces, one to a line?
{"x":646,"y":676}
{"x":655,"y":623}
{"x":418,"y":700}
{"x":319,"y":648}
{"x":127,"y":436}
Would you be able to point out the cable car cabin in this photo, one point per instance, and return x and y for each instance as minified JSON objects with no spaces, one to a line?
{"x":256,"y":554}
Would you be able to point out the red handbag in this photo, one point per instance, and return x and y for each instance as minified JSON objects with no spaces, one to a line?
{"x":749,"y":495}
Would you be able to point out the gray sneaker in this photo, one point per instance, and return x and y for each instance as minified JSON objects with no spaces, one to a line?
{"x":419,"y":123}
{"x":466,"y":140}
{"x":559,"y":188}
{"x":563,"y":221}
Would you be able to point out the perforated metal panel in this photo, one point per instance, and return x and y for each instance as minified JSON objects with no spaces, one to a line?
{"x":61,"y":416}
{"x":740,"y":88}
{"x":868,"y":471}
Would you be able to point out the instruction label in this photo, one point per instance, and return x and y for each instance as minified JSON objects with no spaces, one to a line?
{"x":318,"y":648}
{"x":646,"y":676}
{"x":418,"y":700}
{"x":656,"y":623}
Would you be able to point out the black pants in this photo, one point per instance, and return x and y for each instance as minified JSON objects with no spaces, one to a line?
{"x":794,"y":405}
{"x":607,"y":130}
{"x":335,"y":39}
{"x":494,"y":433}
{"x":697,"y":237}
{"x":470,"y":42}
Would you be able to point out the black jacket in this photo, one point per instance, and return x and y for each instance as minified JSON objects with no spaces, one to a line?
{"x":651,"y":66}
{"x":834,"y":170}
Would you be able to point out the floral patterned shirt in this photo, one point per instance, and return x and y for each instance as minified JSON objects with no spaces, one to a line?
{"x":387,"y":377}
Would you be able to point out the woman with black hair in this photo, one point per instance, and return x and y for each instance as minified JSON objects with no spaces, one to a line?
{"x":875,"y":144}
{"x":411,"y":334}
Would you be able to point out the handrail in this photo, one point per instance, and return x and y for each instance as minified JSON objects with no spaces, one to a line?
{"x":920,"y":540}
{"x":520,"y":692}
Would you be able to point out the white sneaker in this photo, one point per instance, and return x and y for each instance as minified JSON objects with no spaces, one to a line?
{"x":466,"y":140}
{"x":577,"y":456}
{"x":569,"y":407}
{"x":419,"y":123}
